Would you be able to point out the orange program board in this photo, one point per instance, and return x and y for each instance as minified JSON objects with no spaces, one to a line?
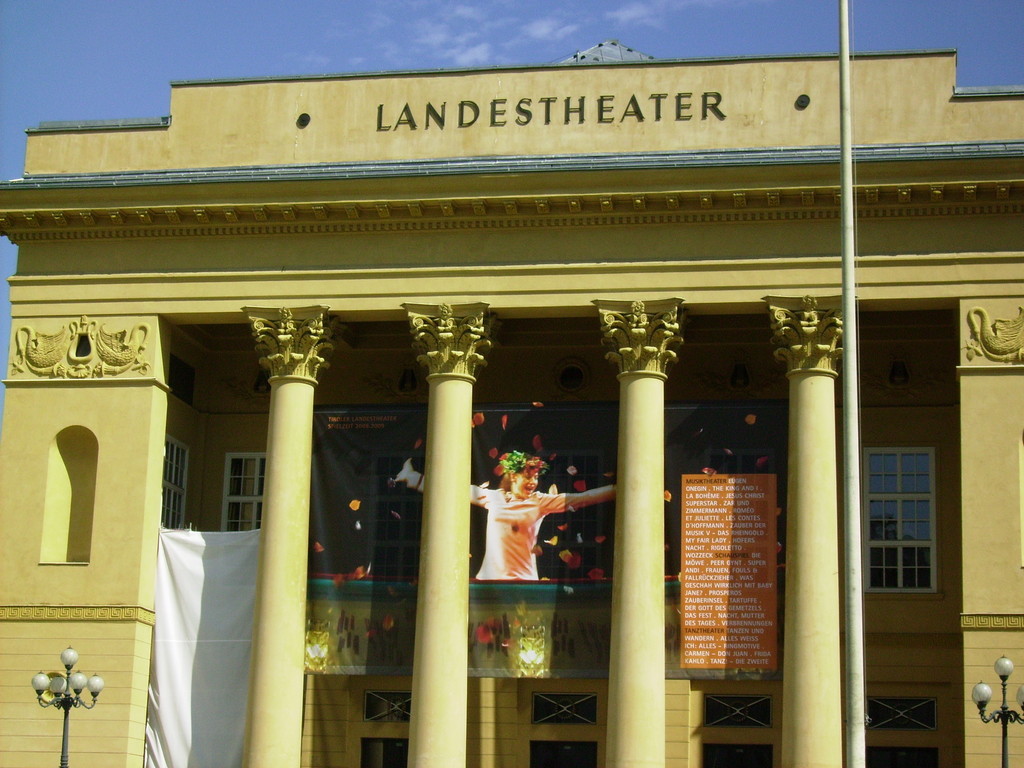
{"x":728,"y":574}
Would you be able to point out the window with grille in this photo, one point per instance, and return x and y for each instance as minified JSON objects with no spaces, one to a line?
{"x":172,"y":498}
{"x":387,"y":706}
{"x":901,"y":714}
{"x":900,"y":518}
{"x":243,"y":490}
{"x":738,"y":711}
{"x":565,"y":708}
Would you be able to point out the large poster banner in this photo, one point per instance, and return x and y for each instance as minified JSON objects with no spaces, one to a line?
{"x":542,"y":500}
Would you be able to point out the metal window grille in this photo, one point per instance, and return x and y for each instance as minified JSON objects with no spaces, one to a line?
{"x":900,"y":519}
{"x":243,"y":491}
{"x":172,"y":498}
{"x":902,"y":714}
{"x":738,"y":711}
{"x":387,"y":706}
{"x":565,"y":708}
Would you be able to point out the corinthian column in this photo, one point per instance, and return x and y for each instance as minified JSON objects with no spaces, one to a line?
{"x":450,"y":341}
{"x":639,"y":336}
{"x":806,"y":333}
{"x":292,"y":345}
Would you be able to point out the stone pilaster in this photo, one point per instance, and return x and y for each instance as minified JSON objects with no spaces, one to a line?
{"x":293,"y":345}
{"x":806,"y":332}
{"x":640,"y":337}
{"x":450,"y":341}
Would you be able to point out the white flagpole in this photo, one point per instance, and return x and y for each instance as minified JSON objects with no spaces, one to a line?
{"x":854,"y":678}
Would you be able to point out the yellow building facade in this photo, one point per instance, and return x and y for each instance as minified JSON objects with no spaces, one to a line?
{"x":192,"y":289}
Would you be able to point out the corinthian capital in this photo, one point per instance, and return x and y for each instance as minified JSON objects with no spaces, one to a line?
{"x":806,"y":332}
{"x":292,"y":342}
{"x":450,"y":338}
{"x":640,"y":334}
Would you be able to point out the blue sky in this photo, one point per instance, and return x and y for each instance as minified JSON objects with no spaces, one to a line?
{"x":108,"y":59}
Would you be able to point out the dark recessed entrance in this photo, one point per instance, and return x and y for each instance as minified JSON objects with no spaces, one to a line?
{"x":563,"y":754}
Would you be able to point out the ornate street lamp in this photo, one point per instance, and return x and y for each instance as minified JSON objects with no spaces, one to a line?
{"x":982,"y":694}
{"x":61,"y":686}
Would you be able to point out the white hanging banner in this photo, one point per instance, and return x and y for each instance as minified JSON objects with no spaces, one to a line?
{"x":205,"y":591}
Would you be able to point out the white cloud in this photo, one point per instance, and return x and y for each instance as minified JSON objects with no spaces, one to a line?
{"x":653,"y":12}
{"x":549,"y":29}
{"x":474,"y":56}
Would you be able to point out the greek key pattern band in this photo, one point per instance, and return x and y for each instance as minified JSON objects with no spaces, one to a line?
{"x":991,"y":621}
{"x":77,"y":613}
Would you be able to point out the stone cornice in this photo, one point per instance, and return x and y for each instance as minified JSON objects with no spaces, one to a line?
{"x":593,"y":209}
{"x":958,"y":198}
{"x":78,"y":613}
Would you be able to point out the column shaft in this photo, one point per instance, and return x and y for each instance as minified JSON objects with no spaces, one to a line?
{"x":437,"y":732}
{"x":636,"y":685}
{"x":812,"y":680}
{"x":274,"y":724}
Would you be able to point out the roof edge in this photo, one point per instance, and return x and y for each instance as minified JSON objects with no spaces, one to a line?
{"x":653,"y":62}
{"x":815,"y":155}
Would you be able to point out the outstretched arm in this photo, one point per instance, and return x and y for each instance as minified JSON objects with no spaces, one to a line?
{"x":409,"y":477}
{"x":413,"y":480}
{"x":593,"y":496}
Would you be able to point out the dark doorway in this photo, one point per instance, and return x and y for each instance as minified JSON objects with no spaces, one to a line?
{"x":737,"y":756}
{"x":563,"y":754}
{"x":903,"y":757}
{"x":384,"y":753}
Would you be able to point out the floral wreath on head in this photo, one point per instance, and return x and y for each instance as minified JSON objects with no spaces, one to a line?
{"x":515,"y":462}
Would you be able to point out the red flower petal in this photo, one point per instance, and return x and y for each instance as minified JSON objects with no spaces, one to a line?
{"x":708,"y":470}
{"x":668,"y":495}
{"x":318,"y":547}
{"x":493,"y":453}
{"x":580,"y":486}
{"x":595,"y":573}
{"x":499,"y":470}
{"x":478,"y":419}
{"x":484,"y":634}
{"x":750,"y":418}
{"x":537,"y":404}
{"x":600,"y":538}
{"x":418,"y":443}
{"x":538,"y":445}
{"x":504,"y":420}
{"x":761,"y":462}
{"x":563,"y":527}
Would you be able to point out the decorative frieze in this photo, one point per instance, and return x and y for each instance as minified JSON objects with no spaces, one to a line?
{"x":1001,"y":341}
{"x":77,"y":613}
{"x":81,"y":349}
{"x":292,"y":342}
{"x":640,"y":335}
{"x":450,"y":338}
{"x":806,"y":332}
{"x":654,"y":207}
{"x":1013,"y":621}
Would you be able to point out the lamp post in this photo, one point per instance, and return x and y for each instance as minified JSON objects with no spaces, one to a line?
{"x":61,"y":686}
{"x":982,"y":694}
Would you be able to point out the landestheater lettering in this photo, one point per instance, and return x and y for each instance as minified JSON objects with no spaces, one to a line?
{"x":569,"y":110}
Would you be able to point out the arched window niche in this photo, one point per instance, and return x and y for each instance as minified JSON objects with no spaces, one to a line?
{"x":70,"y":497}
